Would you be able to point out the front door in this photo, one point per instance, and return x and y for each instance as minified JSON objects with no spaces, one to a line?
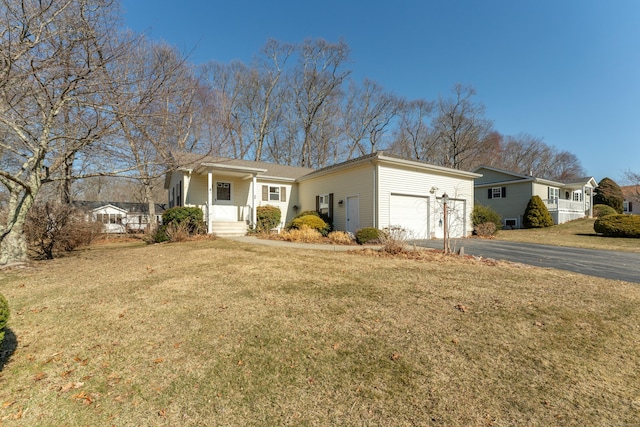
{"x":353,"y":214}
{"x":223,"y":208}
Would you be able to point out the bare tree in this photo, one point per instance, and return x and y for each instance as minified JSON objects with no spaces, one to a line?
{"x":53,"y":54}
{"x":529,"y":155}
{"x":152,"y":94}
{"x":317,"y":79}
{"x":413,"y":136}
{"x":368,"y":113}
{"x":459,"y":127}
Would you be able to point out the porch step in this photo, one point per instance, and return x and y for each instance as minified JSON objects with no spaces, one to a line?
{"x":229,"y":228}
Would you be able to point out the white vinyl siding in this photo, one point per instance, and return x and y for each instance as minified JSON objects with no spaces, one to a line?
{"x":414,"y":182}
{"x":342,"y":183}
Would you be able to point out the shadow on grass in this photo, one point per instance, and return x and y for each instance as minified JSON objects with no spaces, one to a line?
{"x":8,"y":347}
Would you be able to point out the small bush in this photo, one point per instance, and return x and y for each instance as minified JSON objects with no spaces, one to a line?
{"x":483,"y":215}
{"x":603,"y":210}
{"x":310,"y":221}
{"x":341,"y":238}
{"x":180,"y":220}
{"x":536,"y":215}
{"x":267,"y":217}
{"x":4,"y":316}
{"x":304,"y":235}
{"x":52,"y":228}
{"x":324,"y":217}
{"x":618,"y":225}
{"x":394,"y":240}
{"x":486,"y":229}
{"x":368,"y":235}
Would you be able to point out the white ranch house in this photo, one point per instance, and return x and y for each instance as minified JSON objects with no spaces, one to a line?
{"x":378,"y":190}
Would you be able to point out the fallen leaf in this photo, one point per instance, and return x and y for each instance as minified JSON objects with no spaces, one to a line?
{"x":39,"y":376}
{"x":7,"y":404}
{"x":395,"y":356}
{"x":159,"y":360}
{"x":462,"y":308}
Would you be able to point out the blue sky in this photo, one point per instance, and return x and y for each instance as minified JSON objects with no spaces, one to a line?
{"x":567,"y":71}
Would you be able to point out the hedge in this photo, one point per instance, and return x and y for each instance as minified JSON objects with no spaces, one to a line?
{"x":618,"y":225}
{"x":4,"y":316}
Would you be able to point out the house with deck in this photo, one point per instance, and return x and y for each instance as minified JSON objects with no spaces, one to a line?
{"x":378,"y":190}
{"x":508,"y":193}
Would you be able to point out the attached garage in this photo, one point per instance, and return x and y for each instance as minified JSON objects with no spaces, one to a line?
{"x":410,"y":213}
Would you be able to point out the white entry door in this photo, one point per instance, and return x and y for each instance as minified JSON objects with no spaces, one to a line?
{"x":353,"y":214}
{"x":223,"y":208}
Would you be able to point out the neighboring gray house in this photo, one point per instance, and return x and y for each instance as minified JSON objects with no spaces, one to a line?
{"x":509,"y":193}
{"x":377,"y":190}
{"x":120,"y":217}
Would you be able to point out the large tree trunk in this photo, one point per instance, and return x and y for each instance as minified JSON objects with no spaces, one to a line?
{"x":13,"y":246}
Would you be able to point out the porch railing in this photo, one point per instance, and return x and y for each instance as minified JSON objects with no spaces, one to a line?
{"x":560,"y":205}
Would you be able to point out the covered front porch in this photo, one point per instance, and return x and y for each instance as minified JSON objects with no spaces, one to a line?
{"x":231,"y":194}
{"x":572,"y":201}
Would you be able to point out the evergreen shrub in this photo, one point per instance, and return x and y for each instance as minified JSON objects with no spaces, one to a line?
{"x":618,"y":225}
{"x":368,"y":234}
{"x":190,"y":220}
{"x":329,"y":224}
{"x":603,"y":210}
{"x":486,"y":221}
{"x":267,"y":217}
{"x":609,"y":193}
{"x":310,"y":221}
{"x":536,"y":215}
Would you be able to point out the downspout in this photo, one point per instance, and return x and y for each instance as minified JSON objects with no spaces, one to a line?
{"x":209,"y":202}
{"x":375,"y":194}
{"x":254,"y":213}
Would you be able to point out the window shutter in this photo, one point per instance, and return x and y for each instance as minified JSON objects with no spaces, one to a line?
{"x":630,"y":208}
{"x":265,"y":193}
{"x":317,"y":203}
{"x":283,"y":194}
{"x":490,"y":193}
{"x":504,"y":192}
{"x":331,"y":206}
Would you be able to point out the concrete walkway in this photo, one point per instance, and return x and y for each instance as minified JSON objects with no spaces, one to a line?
{"x":294,"y":245}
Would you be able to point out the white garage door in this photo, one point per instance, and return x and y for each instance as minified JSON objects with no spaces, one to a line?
{"x":456,"y":217}
{"x":411,"y":213}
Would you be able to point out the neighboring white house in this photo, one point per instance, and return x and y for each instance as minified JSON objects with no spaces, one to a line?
{"x":120,"y":217}
{"x":631,"y":199}
{"x":509,"y":193}
{"x":378,"y":190}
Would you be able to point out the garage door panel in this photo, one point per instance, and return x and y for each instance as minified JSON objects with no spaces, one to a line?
{"x":410,"y":213}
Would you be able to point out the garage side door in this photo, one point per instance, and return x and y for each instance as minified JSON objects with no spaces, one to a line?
{"x":410,"y":213}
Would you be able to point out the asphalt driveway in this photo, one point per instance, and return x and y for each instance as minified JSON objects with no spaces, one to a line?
{"x":608,"y":264}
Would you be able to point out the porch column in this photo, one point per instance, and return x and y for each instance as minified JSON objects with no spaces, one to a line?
{"x":209,"y":202}
{"x":254,"y":214}
{"x":591,"y":202}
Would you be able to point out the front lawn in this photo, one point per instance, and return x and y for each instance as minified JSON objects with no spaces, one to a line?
{"x":224,"y":333}
{"x":578,"y":233}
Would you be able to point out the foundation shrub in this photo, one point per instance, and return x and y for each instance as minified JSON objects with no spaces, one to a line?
{"x":536,"y":215}
{"x":303,"y":234}
{"x":618,"y":225}
{"x":267,"y":217}
{"x":178,"y":221}
{"x":482,"y":217}
{"x":310,"y":221}
{"x":341,"y":238}
{"x":369,"y":235}
{"x":329,"y":224}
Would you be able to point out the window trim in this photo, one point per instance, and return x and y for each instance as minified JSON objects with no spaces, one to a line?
{"x":275,"y":193}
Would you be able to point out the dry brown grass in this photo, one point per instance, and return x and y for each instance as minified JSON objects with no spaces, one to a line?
{"x":224,"y":333}
{"x":578,"y":233}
